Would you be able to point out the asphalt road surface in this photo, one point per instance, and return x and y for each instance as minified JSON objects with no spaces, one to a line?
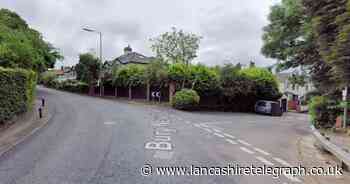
{"x":91,"y":140}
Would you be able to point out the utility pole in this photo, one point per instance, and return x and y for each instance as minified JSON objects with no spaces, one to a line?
{"x":101,"y":59}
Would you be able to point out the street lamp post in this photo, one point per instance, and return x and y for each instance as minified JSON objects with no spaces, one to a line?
{"x":100,"y":34}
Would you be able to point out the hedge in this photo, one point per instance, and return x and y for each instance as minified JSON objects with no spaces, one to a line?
{"x":17,"y":92}
{"x":73,"y":86}
{"x":323,"y":111}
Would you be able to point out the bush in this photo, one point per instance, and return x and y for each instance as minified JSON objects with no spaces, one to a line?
{"x":204,"y":80}
{"x":321,"y":112}
{"x":48,"y":79}
{"x":156,"y":73}
{"x":266,"y":83}
{"x":73,"y":86}
{"x":130,"y":75}
{"x":178,"y":72}
{"x":185,"y":99}
{"x":17,"y":92}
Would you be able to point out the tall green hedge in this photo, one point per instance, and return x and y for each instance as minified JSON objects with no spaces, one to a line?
{"x":17,"y":92}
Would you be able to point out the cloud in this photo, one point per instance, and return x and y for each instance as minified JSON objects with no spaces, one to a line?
{"x":231,"y":30}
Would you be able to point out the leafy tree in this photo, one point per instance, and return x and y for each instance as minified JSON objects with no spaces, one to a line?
{"x":204,"y":80}
{"x":88,"y":69}
{"x":179,"y":72}
{"x":330,"y":25}
{"x":266,"y":83}
{"x":286,"y":34}
{"x":156,"y":73}
{"x":176,"y":46}
{"x":289,"y":38}
{"x":130,"y":75}
{"x":229,"y":72}
{"x":21,"y":46}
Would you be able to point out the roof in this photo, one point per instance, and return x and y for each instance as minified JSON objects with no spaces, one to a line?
{"x":283,"y":76}
{"x":132,"y":57}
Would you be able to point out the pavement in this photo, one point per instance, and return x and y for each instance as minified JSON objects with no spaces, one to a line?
{"x":22,"y":127}
{"x":341,"y":139}
{"x":92,"y":140}
{"x":310,"y":155}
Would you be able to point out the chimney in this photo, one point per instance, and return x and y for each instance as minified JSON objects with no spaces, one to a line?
{"x":127,"y":50}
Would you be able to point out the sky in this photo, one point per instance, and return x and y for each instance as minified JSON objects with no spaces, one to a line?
{"x":231,"y":29}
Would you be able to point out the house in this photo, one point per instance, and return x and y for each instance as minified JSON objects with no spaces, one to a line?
{"x":129,"y":57}
{"x":65,"y":73}
{"x":293,"y":94}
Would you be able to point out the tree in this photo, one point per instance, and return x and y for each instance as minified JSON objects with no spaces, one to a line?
{"x":229,"y":72}
{"x":130,"y":76}
{"x":204,"y":80}
{"x":286,"y":34}
{"x":156,"y":73}
{"x":331,"y":27}
{"x":289,"y":38}
{"x":88,"y":70}
{"x":179,"y":73}
{"x":176,"y":46}
{"x":23,"y":47}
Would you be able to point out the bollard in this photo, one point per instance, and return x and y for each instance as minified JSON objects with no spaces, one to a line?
{"x":40,"y":113}
{"x":43,"y":102}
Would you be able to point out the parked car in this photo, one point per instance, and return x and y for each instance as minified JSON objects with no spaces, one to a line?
{"x":268,"y":107}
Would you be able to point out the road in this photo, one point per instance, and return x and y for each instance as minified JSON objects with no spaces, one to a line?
{"x":92,"y":140}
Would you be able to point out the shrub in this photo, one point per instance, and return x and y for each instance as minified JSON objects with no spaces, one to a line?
{"x":185,"y":99}
{"x":156,"y":73}
{"x":178,"y":72}
{"x":130,"y":75}
{"x":204,"y":80}
{"x":48,"y":79}
{"x":74,"y":86}
{"x":322,"y":113}
{"x":266,"y":83}
{"x":17,"y":92}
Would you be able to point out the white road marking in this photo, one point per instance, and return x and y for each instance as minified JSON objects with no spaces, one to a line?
{"x":230,"y":136}
{"x":160,"y":124}
{"x":243,"y":142}
{"x":247,"y":150}
{"x":162,"y":138}
{"x":109,"y":123}
{"x":216,"y":130}
{"x":283,"y":162}
{"x":262,"y":151}
{"x":231,"y":141}
{"x":163,"y":146}
{"x":197,"y":125}
{"x":204,"y":125}
{"x":208,"y":130}
{"x":263,"y":160}
{"x":292,"y":178}
{"x":188,"y":122}
{"x":219,"y":135}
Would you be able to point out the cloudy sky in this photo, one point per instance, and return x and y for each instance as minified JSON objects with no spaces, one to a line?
{"x":231,"y":29}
